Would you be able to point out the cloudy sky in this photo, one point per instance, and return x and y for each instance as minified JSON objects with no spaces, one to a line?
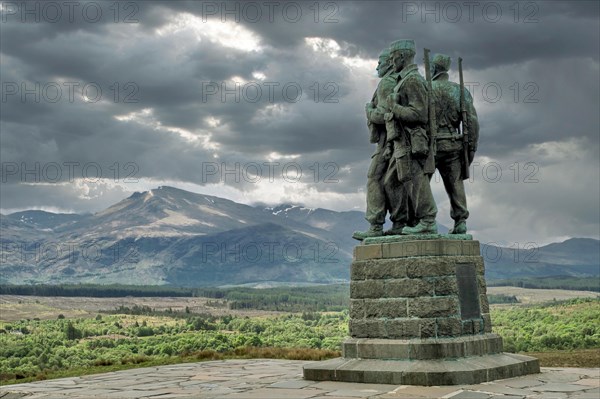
{"x":264,"y":102}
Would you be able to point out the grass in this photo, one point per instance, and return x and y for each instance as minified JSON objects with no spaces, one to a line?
{"x":206,"y":355}
{"x":30,"y":309}
{"x":587,"y":358}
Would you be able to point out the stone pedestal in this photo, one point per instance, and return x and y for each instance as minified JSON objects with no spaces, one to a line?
{"x":419,"y":315}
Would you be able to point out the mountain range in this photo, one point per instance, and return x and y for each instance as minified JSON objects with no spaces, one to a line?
{"x":175,"y":237}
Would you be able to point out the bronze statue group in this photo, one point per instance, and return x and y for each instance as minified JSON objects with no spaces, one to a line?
{"x":419,"y":124}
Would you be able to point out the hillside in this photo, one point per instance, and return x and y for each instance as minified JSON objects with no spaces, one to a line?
{"x":172,"y":236}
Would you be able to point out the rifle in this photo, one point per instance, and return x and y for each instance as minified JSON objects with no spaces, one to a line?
{"x":396,"y":133}
{"x":464,"y":125}
{"x":430,"y":163}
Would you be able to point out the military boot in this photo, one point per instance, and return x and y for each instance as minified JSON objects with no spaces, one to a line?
{"x":396,"y":229}
{"x":422,"y":228}
{"x":459,"y":228}
{"x":376,"y":230}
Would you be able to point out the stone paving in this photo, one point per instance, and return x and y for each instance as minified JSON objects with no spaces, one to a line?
{"x":282,"y":379}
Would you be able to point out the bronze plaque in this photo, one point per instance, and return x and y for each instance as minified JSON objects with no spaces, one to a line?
{"x":468,"y":291}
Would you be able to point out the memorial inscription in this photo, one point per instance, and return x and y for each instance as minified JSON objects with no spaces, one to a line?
{"x":468,"y":291}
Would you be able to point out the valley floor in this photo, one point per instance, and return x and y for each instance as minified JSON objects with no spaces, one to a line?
{"x":534,"y":295}
{"x":17,"y":307}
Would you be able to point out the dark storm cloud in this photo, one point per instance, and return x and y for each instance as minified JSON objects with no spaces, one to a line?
{"x":174,"y":125}
{"x":490,"y":32}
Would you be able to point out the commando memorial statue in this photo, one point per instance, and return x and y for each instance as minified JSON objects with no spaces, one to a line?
{"x":407,"y":157}
{"x":419,"y":313}
{"x":390,"y":197}
{"x":455,"y":149}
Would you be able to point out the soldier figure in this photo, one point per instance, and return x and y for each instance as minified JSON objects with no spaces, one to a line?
{"x":381,"y":198}
{"x":449,"y":157}
{"x":408,"y":138}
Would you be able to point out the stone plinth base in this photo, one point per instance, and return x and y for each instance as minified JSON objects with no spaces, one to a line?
{"x":422,"y":349}
{"x":419,"y":315}
{"x":468,"y":370}
{"x":442,"y":361}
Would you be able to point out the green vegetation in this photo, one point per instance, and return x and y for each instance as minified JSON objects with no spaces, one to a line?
{"x":142,"y":336}
{"x":551,"y":282}
{"x":494,"y":299}
{"x":31,"y":348}
{"x":291,"y":299}
{"x":564,"y":325}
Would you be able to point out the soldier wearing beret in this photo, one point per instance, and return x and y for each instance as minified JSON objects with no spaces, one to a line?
{"x":381,"y":199}
{"x":449,"y":155}
{"x":409,"y":141}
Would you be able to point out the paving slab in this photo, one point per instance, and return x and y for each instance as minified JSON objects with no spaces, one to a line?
{"x":293,"y":384}
{"x":279,"y":379}
{"x":549,"y":395}
{"x":419,"y":392}
{"x":590,"y":372}
{"x":7,"y":395}
{"x":353,"y":393}
{"x":525,"y":382}
{"x":276,"y":393}
{"x":585,"y":395}
{"x":470,"y":395}
{"x":499,"y":388}
{"x":561,"y":376}
{"x":592,"y":382}
{"x":559,"y":387}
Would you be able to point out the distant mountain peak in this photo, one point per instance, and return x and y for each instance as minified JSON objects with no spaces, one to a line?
{"x":576,"y":244}
{"x":169,"y":189}
{"x":137,"y":194}
{"x":157,"y":191}
{"x":45,"y":220}
{"x":582,"y":239}
{"x":172,"y":231}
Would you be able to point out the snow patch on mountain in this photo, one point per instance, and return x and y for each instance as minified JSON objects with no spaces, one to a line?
{"x":213,"y":211}
{"x":178,"y":219}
